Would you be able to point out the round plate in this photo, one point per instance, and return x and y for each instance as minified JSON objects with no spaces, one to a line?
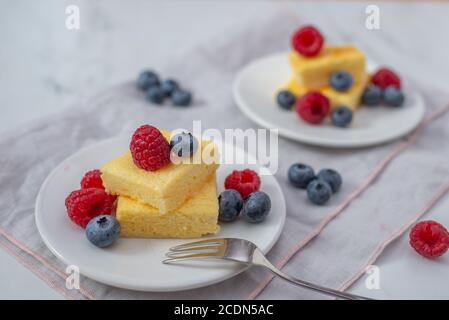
{"x":136,"y":263}
{"x":254,"y":92}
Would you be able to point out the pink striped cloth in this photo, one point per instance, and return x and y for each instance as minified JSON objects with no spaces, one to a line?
{"x":386,"y":188}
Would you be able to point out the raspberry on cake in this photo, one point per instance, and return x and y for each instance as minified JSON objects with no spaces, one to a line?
{"x":307,"y":41}
{"x":166,"y":188}
{"x":149,"y":148}
{"x":195,"y":218}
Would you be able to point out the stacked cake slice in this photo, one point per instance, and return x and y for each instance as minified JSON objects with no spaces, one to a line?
{"x":313,"y":73}
{"x":176,"y":201}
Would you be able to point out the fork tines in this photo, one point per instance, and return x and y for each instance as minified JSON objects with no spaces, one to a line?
{"x":190,"y":245}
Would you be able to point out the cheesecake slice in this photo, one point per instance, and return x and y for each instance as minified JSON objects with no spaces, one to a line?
{"x":195,"y":218}
{"x":350,"y":98}
{"x":314,"y":72}
{"x":165,"y":189}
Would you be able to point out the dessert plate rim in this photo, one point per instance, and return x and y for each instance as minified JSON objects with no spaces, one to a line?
{"x":303,"y":132}
{"x":113,"y":278}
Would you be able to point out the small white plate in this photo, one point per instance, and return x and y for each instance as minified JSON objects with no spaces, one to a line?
{"x":136,"y":263}
{"x":254,"y":92}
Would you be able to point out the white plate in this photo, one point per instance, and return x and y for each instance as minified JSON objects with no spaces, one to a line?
{"x":136,"y":263}
{"x":254,"y":89}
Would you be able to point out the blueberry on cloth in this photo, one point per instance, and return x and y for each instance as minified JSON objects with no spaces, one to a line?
{"x":300,"y":175}
{"x":147,"y":79}
{"x":332,"y":177}
{"x":319,"y":191}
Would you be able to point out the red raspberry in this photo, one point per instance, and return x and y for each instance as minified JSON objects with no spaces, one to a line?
{"x":307,"y":41}
{"x":84,"y":204}
{"x":385,"y":77}
{"x":429,"y":238}
{"x":149,"y":148}
{"x":92,"y":179}
{"x":245,"y":182}
{"x":313,"y":107}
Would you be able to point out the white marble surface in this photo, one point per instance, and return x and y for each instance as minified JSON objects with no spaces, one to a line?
{"x":45,"y":67}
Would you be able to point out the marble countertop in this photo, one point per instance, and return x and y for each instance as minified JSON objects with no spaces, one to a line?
{"x":45,"y":67}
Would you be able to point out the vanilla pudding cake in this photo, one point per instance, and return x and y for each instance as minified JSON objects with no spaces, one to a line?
{"x":326,"y":81}
{"x":165,"y":189}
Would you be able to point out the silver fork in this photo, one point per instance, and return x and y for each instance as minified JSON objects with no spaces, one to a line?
{"x":245,"y":252}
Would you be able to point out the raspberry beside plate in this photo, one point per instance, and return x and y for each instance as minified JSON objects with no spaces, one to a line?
{"x":429,"y":238}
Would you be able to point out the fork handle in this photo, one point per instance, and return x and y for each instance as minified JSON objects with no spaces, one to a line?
{"x":260,"y":260}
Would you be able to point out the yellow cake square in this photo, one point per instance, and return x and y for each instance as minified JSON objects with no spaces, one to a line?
{"x":314,"y":72}
{"x":350,"y":98}
{"x":165,"y":189}
{"x":195,"y":218}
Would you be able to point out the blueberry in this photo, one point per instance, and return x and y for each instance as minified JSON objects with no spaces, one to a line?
{"x":319,"y":191}
{"x":341,"y":116}
{"x":230,"y":203}
{"x":183,"y":144}
{"x":102,"y":231}
{"x":147,"y":79}
{"x":372,"y":96}
{"x":156,"y":95}
{"x":300,"y":175}
{"x":393,"y":97}
{"x":256,"y":207}
{"x":341,"y":81}
{"x":332,"y":177}
{"x":181,"y":97}
{"x":286,"y":99}
{"x":168,"y":86}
